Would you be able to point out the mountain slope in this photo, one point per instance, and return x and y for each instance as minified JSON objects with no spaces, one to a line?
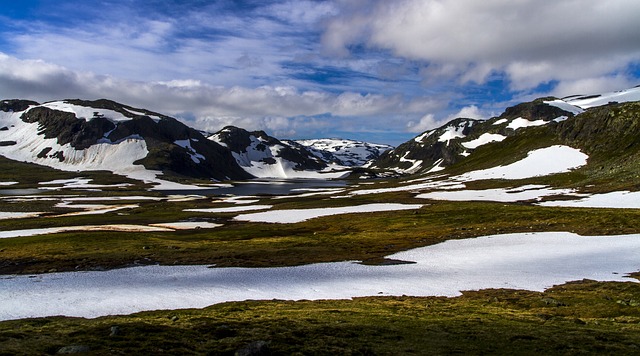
{"x":104,"y":135}
{"x":343,"y":152}
{"x":604,"y":128}
{"x":264,"y":156}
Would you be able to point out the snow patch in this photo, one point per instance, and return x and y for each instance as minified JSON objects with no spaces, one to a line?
{"x":528,"y":261}
{"x":540,"y":162}
{"x":298,"y":215}
{"x":484,"y":139}
{"x":565,"y":106}
{"x":232,"y":209}
{"x":521,"y":123}
{"x":618,"y":200}
{"x":500,"y":195}
{"x":85,"y":112}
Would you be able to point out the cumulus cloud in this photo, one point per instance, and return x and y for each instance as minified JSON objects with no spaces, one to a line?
{"x":281,"y":110}
{"x":533,"y":42}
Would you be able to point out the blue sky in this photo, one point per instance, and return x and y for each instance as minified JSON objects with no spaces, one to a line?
{"x":375,"y":70}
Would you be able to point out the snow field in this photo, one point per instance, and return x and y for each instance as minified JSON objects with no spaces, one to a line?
{"x":540,"y":162}
{"x":531,"y":261}
{"x":298,"y":215}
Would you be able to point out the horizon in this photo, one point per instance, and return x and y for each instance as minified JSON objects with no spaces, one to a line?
{"x":370,"y":71}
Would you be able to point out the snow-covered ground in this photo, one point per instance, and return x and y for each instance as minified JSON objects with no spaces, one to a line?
{"x":541,"y":162}
{"x":532,"y":261}
{"x":618,"y":200}
{"x":292,"y":216}
{"x":501,"y":195}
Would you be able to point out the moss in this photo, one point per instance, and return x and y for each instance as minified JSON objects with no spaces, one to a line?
{"x":585,"y":319}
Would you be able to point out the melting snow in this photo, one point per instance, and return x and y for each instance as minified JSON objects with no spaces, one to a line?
{"x":188,"y":225}
{"x":55,"y":230}
{"x":500,"y":195}
{"x":620,"y":200}
{"x":565,"y":106}
{"x":232,"y":209}
{"x":520,"y":123}
{"x":540,"y":162}
{"x":186,"y":144}
{"x":299,"y":215}
{"x":483,"y":140}
{"x":501,"y":121}
{"x":621,"y":96}
{"x":85,"y":111}
{"x":11,"y":215}
{"x":452,"y":132}
{"x":532,"y":261}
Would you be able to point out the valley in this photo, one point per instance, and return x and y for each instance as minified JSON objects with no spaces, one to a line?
{"x":493,"y":231}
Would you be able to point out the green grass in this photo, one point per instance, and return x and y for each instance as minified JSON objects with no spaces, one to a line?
{"x":574,"y":318}
{"x":364,"y":237}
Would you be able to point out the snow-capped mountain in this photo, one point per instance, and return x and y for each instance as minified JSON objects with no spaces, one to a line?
{"x":343,"y":152}
{"x":436,"y":149}
{"x":77,"y":135}
{"x":264,"y":156}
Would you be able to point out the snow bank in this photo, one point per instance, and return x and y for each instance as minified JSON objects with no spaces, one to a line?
{"x":231,"y":209}
{"x":620,"y":200}
{"x":10,"y":215}
{"x":621,"y":96}
{"x":521,"y":123}
{"x":500,"y":195}
{"x":298,"y":215}
{"x":565,"y":106}
{"x":484,"y":139}
{"x":55,"y":230}
{"x":544,"y":161}
{"x":85,"y":112}
{"x":532,"y":261}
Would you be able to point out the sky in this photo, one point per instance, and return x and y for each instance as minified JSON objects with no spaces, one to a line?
{"x":376,"y":70}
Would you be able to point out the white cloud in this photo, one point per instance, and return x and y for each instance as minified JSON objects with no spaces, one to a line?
{"x":280,"y":110}
{"x":427,"y":122}
{"x":469,"y":112}
{"x":533,"y":42}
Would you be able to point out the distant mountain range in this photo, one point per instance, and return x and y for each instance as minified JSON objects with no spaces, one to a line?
{"x":78,"y":135}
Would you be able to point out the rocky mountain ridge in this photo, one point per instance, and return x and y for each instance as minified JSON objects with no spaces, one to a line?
{"x":79,"y":135}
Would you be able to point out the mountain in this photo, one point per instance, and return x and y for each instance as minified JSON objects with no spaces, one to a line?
{"x":605,"y":126}
{"x":343,"y":152}
{"x":267,"y":157}
{"x":77,"y":135}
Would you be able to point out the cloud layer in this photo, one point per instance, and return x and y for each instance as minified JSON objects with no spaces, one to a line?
{"x":374,"y":69}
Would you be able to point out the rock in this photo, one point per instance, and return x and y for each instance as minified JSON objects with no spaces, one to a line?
{"x":255,"y":348}
{"x":74,"y":349}
{"x":115,"y":330}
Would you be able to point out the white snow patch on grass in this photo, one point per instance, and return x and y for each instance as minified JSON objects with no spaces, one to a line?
{"x":231,"y":209}
{"x":292,"y":216}
{"x":187,"y":225}
{"x":452,"y":132}
{"x":540,"y":162}
{"x":531,"y":261}
{"x":619,"y":200}
{"x":500,"y":122}
{"x":521,"y":123}
{"x":443,"y":184}
{"x":500,"y":195}
{"x":84,"y":112}
{"x":8,"y":183}
{"x":484,"y":139}
{"x":12,"y":215}
{"x":55,"y":230}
